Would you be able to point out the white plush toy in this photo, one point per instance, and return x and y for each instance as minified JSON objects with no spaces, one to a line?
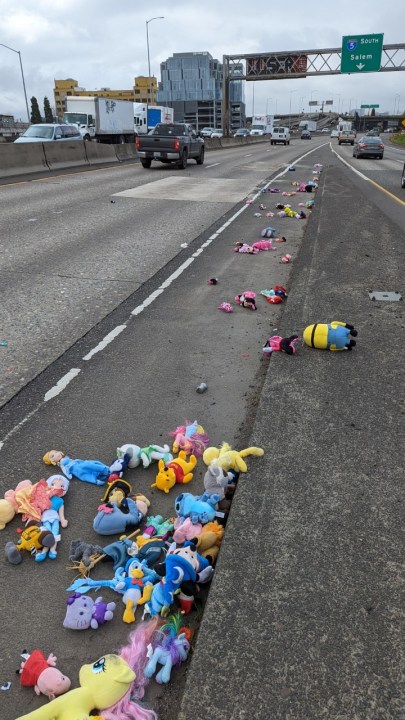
{"x":144,"y":455}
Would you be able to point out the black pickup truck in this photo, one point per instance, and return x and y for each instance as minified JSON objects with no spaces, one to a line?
{"x":170,"y":143}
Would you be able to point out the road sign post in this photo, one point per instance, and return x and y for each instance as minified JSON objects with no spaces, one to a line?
{"x":361,"y":53}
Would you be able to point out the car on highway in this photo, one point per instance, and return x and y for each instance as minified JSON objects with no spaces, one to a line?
{"x":217,"y":134}
{"x":346,"y":136}
{"x":280,"y":136}
{"x":403,"y":177}
{"x":325,"y":130}
{"x":369,"y":146}
{"x":50,"y":132}
{"x":305,"y":135}
{"x":206,"y":131}
{"x":334,"y":133}
{"x":242,"y":132}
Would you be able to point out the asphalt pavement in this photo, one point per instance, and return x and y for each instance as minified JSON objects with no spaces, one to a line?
{"x":305,"y":615}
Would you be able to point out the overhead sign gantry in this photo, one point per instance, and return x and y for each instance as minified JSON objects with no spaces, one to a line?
{"x":307,"y":63}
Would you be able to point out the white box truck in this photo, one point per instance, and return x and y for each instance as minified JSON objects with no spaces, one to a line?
{"x":102,"y":119}
{"x":261,"y":125}
{"x":310,"y":125}
{"x":157,"y":114}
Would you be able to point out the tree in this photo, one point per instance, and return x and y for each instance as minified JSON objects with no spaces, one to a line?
{"x":35,"y":114}
{"x":47,"y":111}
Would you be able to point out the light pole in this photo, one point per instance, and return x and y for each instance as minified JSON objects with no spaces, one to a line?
{"x":267,"y":105}
{"x":22,"y":75}
{"x":159,"y":17}
{"x":397,"y":95}
{"x":289,"y":117}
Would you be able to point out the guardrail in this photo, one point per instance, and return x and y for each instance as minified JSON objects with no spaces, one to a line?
{"x":27,"y":158}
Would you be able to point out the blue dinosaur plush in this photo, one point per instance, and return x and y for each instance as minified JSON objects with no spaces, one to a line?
{"x":200,"y":509}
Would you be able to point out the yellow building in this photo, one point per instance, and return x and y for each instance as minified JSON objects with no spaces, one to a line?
{"x":143,"y":91}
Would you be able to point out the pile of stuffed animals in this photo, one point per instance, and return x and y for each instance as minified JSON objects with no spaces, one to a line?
{"x":159,"y":564}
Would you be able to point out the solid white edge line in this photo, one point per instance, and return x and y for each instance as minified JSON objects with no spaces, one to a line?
{"x":105,"y":341}
{"x":61,"y":384}
{"x":360,"y":174}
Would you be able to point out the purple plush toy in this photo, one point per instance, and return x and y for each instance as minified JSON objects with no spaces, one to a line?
{"x":83,"y":612}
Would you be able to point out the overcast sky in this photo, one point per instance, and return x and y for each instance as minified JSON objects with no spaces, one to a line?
{"x":103,"y":44}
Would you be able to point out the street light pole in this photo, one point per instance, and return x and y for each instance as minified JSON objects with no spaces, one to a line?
{"x":160,"y":17}
{"x":22,"y":75}
{"x":289,"y":117}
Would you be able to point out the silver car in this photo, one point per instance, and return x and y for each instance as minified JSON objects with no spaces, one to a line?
{"x":368,"y":146}
{"x":50,"y":132}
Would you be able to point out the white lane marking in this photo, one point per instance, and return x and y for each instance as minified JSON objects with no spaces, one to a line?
{"x":364,"y":177}
{"x":210,"y":166}
{"x":248,"y":155}
{"x":61,"y":384}
{"x":105,"y":341}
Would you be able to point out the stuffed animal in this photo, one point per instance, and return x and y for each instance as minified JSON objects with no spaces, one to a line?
{"x":263,"y":245}
{"x":216,"y":480}
{"x":286,"y":345}
{"x":209,"y":541}
{"x":113,"y":518}
{"x":225,"y":307}
{"x":230,"y":459}
{"x":171,"y":646}
{"x":91,"y":471}
{"x":182,"y":565}
{"x":33,"y":539}
{"x":42,"y":674}
{"x":247,"y":299}
{"x":9,"y":505}
{"x":134,"y":583}
{"x":241,"y":247}
{"x":268,"y":232}
{"x":178,"y":470}
{"x":200,"y":509}
{"x":102,"y":684}
{"x":144,"y":455}
{"x":330,"y":336}
{"x":54,"y":516}
{"x":191,"y":438}
{"x":184,"y":530}
{"x":83,"y":612}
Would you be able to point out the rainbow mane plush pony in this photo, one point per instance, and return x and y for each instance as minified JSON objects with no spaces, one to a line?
{"x":171,"y":648}
{"x":191,"y":438}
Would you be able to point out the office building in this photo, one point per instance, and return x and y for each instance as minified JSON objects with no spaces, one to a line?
{"x":191,"y":83}
{"x":144,"y":90}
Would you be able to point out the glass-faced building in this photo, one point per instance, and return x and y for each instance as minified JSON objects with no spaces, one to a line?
{"x":191,"y":83}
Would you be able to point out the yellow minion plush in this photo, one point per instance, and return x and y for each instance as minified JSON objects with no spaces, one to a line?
{"x":330,"y":336}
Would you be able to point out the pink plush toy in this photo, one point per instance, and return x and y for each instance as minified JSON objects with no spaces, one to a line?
{"x":185,"y":530}
{"x":286,"y":258}
{"x":263,"y":245}
{"x":9,"y":506}
{"x":247,"y":299}
{"x":40,"y":673}
{"x":225,"y":307}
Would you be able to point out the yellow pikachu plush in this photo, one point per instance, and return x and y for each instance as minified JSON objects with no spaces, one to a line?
{"x":178,"y":470}
{"x":229,"y":459}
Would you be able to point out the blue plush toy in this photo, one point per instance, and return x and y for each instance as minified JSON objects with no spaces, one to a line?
{"x":200,"y":509}
{"x":183,"y":565}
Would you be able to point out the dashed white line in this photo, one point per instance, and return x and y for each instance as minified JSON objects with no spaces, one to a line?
{"x":66,"y":379}
{"x":210,"y":166}
{"x":105,"y":341}
{"x":61,"y":384}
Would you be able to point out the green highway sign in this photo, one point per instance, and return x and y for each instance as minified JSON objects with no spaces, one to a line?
{"x":361,"y":53}
{"x":369,"y":106}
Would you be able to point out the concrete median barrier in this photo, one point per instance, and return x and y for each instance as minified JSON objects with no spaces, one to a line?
{"x":61,"y":155}
{"x":126,"y":151}
{"x":22,"y":159}
{"x":99,"y":153}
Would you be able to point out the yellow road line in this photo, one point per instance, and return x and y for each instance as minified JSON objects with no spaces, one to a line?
{"x":387,"y":192}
